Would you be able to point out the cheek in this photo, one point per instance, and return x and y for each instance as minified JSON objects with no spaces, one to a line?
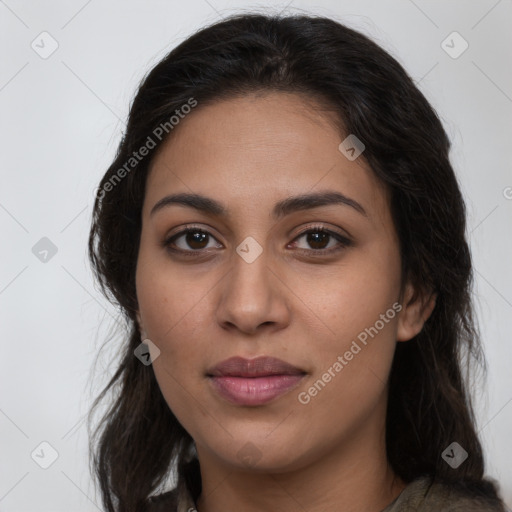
{"x":354,"y":294}
{"x":358,"y":310}
{"x":172,"y":300}
{"x":351,"y":373}
{"x":174,"y":310}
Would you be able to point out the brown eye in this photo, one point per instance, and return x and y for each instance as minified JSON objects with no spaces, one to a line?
{"x":189,"y":240}
{"x":318,"y":239}
{"x":194,"y":241}
{"x":323,"y":241}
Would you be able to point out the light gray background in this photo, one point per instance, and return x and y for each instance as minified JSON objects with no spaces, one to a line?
{"x":61,"y":119}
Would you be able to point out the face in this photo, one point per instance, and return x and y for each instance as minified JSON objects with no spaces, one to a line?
{"x":313,"y":283}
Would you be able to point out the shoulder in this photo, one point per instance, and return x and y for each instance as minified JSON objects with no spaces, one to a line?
{"x":166,"y":502}
{"x":427,"y":495}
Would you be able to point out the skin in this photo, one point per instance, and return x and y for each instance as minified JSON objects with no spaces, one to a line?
{"x":248,"y":153}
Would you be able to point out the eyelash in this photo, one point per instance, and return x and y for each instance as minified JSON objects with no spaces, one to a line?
{"x":343,"y":242}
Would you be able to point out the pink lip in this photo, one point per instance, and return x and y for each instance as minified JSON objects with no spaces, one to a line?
{"x":253,"y":381}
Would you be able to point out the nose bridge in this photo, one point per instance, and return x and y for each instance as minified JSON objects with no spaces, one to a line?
{"x":251,"y":295}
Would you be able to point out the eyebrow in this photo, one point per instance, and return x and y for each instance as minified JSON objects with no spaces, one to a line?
{"x":281,"y":209}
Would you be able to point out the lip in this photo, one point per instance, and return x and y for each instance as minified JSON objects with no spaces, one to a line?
{"x":253,"y":382}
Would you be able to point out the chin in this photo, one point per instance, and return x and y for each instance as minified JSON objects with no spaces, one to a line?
{"x":257,"y":454}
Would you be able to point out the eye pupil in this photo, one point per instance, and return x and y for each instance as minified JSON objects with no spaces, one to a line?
{"x":196,"y":237}
{"x":316,"y":239}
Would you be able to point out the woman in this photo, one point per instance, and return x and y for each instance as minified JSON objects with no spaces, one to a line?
{"x":284,"y":232}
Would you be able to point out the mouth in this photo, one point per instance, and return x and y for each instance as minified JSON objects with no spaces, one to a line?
{"x":252,"y":382}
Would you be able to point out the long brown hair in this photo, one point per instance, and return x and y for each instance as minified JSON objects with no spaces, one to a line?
{"x":138,"y":440}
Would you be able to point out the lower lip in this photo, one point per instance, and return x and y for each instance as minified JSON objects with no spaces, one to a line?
{"x":255,"y":390}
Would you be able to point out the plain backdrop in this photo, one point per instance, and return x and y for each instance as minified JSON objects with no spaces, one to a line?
{"x":62,"y":116}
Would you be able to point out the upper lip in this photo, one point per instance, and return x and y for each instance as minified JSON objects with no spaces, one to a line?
{"x":258,"y":367}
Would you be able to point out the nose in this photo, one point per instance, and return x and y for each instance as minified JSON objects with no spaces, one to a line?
{"x":253,"y":297}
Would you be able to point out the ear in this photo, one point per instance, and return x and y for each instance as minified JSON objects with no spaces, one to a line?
{"x":143,"y":334}
{"x":417,"y":308}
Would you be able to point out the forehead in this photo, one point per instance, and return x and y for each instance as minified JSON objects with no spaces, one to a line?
{"x":248,"y":150}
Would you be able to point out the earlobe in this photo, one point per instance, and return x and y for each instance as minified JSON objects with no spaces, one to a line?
{"x":414,"y":313}
{"x":143,"y":334}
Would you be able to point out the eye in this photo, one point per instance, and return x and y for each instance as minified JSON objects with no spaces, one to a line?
{"x":193,"y":240}
{"x":189,"y":240}
{"x":319,"y":238}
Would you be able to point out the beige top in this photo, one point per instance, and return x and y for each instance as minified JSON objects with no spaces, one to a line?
{"x":421,"y":495}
